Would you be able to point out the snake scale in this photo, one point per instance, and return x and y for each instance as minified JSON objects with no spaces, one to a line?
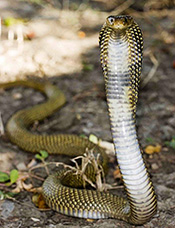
{"x":121,"y":47}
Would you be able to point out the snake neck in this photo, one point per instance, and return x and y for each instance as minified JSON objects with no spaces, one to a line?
{"x":121,"y":91}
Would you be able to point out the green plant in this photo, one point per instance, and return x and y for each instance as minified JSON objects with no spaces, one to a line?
{"x":171,"y":143}
{"x":42,"y":156}
{"x":150,"y":140}
{"x":9,"y":178}
{"x":6,"y":195}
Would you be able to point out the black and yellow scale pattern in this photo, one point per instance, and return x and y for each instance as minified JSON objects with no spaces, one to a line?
{"x":121,"y":46}
{"x":121,"y":57}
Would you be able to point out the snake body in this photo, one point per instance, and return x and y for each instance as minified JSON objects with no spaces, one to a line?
{"x":121,"y":58}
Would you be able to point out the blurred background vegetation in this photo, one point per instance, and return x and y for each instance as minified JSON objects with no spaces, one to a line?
{"x":72,"y":24}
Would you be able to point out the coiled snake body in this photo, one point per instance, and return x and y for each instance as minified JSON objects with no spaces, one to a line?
{"x":121,"y":58}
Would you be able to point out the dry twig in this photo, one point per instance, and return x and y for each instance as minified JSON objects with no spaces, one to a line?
{"x":152,"y":71}
{"x":2,"y":131}
{"x":119,"y":9}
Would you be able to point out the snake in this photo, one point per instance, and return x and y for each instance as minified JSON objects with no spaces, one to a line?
{"x":121,"y":47}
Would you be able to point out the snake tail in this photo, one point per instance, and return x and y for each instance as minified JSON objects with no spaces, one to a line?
{"x":17,"y":126}
{"x":121,"y":47}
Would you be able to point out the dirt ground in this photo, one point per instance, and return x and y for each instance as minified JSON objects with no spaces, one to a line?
{"x":61,"y":43}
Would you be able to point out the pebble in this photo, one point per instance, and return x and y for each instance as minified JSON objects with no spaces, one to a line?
{"x":17,"y":96}
{"x":21,"y":166}
{"x":6,"y":209}
{"x":154,"y":166}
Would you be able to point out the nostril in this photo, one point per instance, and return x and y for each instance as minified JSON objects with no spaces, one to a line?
{"x":124,"y":20}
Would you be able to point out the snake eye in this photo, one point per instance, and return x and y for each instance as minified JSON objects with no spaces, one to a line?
{"x":111,"y":20}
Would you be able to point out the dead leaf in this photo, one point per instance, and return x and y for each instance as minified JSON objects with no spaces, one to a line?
{"x":90,"y":220}
{"x":30,"y":35}
{"x":81,"y":34}
{"x":153,"y":149}
{"x":32,"y":163}
{"x":39,"y":201}
{"x":174,"y":64}
{"x":108,"y":146}
{"x":157,"y":148}
{"x":17,"y":96}
{"x":117,"y":174}
{"x":154,"y":166}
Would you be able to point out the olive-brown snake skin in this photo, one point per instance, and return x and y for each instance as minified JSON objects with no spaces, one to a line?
{"x":121,"y":58}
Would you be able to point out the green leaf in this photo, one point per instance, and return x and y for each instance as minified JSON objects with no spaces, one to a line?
{"x":4,"y":177}
{"x":149,"y":140}
{"x":167,"y":143}
{"x":39,"y":157}
{"x":83,"y":135}
{"x":93,"y":139}
{"x":10,"y":194}
{"x":44,"y":154}
{"x":2,"y":195}
{"x":87,"y":67}
{"x":7,"y":195}
{"x":14,"y":176}
{"x":172,"y":143}
{"x":9,"y":21}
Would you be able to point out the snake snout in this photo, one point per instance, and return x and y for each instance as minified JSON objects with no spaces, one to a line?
{"x":119,"y":22}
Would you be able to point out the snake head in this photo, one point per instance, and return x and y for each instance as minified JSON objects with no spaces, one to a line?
{"x":119,"y":22}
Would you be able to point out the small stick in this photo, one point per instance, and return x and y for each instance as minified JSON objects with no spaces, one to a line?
{"x":66,"y":4}
{"x":11,"y":35}
{"x":152,"y":71}
{"x":20,"y":37}
{"x":2,"y":131}
{"x":0,"y":28}
{"x":119,"y":9}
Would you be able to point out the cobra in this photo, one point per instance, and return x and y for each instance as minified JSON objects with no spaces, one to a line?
{"x":121,"y":47}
